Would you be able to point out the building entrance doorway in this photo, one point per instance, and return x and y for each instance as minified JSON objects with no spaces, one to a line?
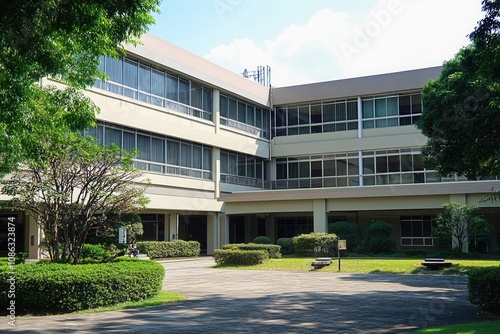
{"x":194,"y":228}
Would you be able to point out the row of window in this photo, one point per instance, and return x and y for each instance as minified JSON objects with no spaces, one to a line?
{"x":142,"y":82}
{"x":159,"y":154}
{"x":342,"y":115}
{"x":401,"y":166}
{"x":244,"y":116}
{"x":238,"y":168}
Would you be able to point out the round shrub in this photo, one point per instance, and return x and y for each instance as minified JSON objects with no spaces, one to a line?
{"x":345,"y":231}
{"x":315,"y":244}
{"x":286,"y":245}
{"x":378,"y":238}
{"x":484,"y":288}
{"x":262,"y":240}
{"x":67,"y":287}
{"x":238,"y":257}
{"x":99,"y":253}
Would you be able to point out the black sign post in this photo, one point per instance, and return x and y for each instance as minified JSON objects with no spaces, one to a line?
{"x":341,"y":245}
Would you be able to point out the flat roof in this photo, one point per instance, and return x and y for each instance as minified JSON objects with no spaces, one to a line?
{"x":354,"y":87}
{"x":166,"y":54}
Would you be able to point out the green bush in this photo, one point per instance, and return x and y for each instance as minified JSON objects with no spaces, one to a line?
{"x":163,"y":249}
{"x":273,"y":251}
{"x":416,"y":252}
{"x":286,"y":245}
{"x":346,"y":231}
{"x":239,"y":257}
{"x":59,"y":287}
{"x":315,"y":244}
{"x":20,"y":257}
{"x":378,"y":238}
{"x":262,"y":240}
{"x":100,"y":253}
{"x":484,"y":288}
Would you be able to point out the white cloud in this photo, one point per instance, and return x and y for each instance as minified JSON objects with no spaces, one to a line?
{"x":394,"y":35}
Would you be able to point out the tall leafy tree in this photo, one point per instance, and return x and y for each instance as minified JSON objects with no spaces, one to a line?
{"x":70,"y":184}
{"x":459,"y":224}
{"x":461,"y":116}
{"x":62,"y":38}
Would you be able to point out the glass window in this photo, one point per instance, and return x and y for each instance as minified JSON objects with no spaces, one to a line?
{"x":293,"y":170}
{"x":340,"y":111}
{"x":353,"y":166}
{"x":143,"y":146}
{"x":197,"y":157}
{"x":380,"y":108}
{"x":341,"y":167}
{"x":368,"y":165}
{"x":183,"y":91}
{"x":293,"y":118}
{"x":416,"y":104}
{"x":130,"y":73}
{"x":114,"y":69}
{"x":157,"y":150}
{"x":381,"y":164}
{"x":207,"y":100}
{"x":304,"y":169}
{"x":368,"y":109}
{"x":329,"y":168}
{"x":186,"y":155}
{"x":328,"y":112}
{"x":280,"y":117}
{"x":316,"y":168}
{"x":233,"y":109}
{"x":223,"y":106}
{"x":196,"y":96}
{"x":172,"y":87}
{"x":304,"y":114}
{"x":392,"y":106}
{"x":242,"y":169}
{"x":404,"y":105}
{"x":207,"y":158}
{"x":250,"y":114}
{"x":393,"y":161}
{"x":352,"y":110}
{"x":145,"y":78}
{"x":281,"y":171}
{"x":128,"y":141}
{"x":224,"y":162}
{"x":316,"y":114}
{"x":113,"y":136}
{"x":173,"y":152}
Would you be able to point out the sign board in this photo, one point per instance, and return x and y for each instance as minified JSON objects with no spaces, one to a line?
{"x":122,"y":235}
{"x":342,"y":244}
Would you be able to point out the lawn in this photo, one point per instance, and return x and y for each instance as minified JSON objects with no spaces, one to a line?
{"x":370,"y":266}
{"x":470,"y":328}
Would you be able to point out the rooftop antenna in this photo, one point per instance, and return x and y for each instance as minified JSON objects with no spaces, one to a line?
{"x":262,"y":75}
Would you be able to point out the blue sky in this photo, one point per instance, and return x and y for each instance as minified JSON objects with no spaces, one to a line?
{"x":307,"y":41}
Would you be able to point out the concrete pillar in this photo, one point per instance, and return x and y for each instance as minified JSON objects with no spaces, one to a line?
{"x":212,"y":232}
{"x":34,"y":237}
{"x":319,"y":215}
{"x":224,"y":229}
{"x":216,"y":109}
{"x":172,"y":226}
{"x":216,"y":171}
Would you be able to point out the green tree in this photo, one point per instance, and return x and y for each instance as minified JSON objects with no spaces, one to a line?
{"x":461,"y":116}
{"x":378,"y":238}
{"x":58,"y":38}
{"x":460,"y":223}
{"x":345,"y":231}
{"x":70,"y":184}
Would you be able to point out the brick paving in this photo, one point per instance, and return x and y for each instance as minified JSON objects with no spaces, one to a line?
{"x":241,"y":301}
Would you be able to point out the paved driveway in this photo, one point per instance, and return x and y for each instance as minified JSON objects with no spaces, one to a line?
{"x":234,"y":301}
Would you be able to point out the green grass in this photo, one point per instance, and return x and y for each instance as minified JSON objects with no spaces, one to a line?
{"x":470,"y":328}
{"x":162,"y":298}
{"x":370,"y":266}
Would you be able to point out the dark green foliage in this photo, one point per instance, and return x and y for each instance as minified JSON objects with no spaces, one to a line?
{"x":273,"y":251}
{"x":416,"y":252}
{"x":20,"y":257}
{"x":100,"y":253}
{"x":163,"y":249}
{"x":484,"y":288}
{"x":315,"y":244}
{"x":239,"y":257}
{"x":378,"y":238}
{"x":346,"y":231}
{"x":262,"y":240}
{"x":286,"y":245}
{"x":65,"y":287}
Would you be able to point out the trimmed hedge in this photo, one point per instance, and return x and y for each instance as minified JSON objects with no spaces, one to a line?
{"x":163,"y":249}
{"x":66,"y":287}
{"x":262,"y":239}
{"x":239,"y":257}
{"x":273,"y":251}
{"x":315,"y":244}
{"x":286,"y":245}
{"x":484,"y":288}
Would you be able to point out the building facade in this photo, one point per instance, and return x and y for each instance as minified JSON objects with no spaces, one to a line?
{"x":229,"y":159}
